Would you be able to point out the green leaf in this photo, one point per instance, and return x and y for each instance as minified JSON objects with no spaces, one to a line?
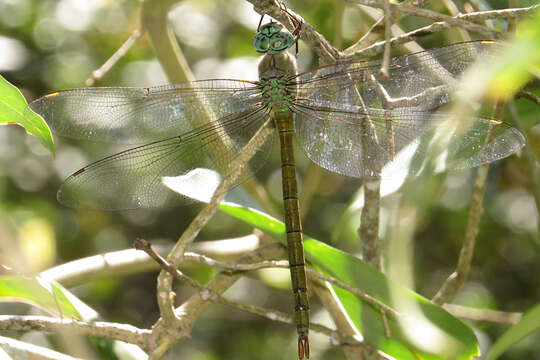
{"x":529,"y":323}
{"x":46,"y":295}
{"x":14,"y":109}
{"x":424,"y":331}
{"x":54,"y":299}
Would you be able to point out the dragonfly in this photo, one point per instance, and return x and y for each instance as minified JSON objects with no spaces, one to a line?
{"x":346,"y":117}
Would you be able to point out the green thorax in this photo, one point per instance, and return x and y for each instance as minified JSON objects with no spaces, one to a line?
{"x":274,"y":74}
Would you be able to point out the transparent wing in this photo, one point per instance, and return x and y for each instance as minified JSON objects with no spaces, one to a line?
{"x":139,"y":115}
{"x":423,"y":80}
{"x":142,"y":176}
{"x":363,"y":142}
{"x":352,"y":121}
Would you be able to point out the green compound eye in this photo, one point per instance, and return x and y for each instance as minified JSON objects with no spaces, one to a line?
{"x":280,"y":42}
{"x":271,"y":39}
{"x":261,"y":43}
{"x":270,"y":29}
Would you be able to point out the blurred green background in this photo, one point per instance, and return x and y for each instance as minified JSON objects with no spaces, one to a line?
{"x":53,"y":45}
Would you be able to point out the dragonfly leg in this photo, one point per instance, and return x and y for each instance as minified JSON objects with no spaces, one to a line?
{"x":260,"y":22}
{"x":295,"y":22}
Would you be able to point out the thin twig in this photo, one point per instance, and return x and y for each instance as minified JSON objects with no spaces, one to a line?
{"x":453,"y":283}
{"x":233,"y":267}
{"x":330,"y":302}
{"x":369,"y":234}
{"x":108,"y":330}
{"x":124,"y":262}
{"x":98,"y":74}
{"x":416,"y":11}
{"x":141,"y":244}
{"x":454,"y":11}
{"x":372,"y":34}
{"x":362,"y":295}
{"x":115,"y":263}
{"x":512,"y":13}
{"x":458,"y":21}
{"x":378,"y":47}
{"x":529,"y":96}
{"x":378,"y":27}
{"x":486,"y":315}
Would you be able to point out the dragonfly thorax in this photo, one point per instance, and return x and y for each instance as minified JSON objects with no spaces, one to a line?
{"x":276,"y":96}
{"x":274,"y":74}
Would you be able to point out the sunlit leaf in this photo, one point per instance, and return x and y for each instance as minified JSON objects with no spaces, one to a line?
{"x":48,"y":296}
{"x":14,"y":110}
{"x":519,"y":61}
{"x":54,"y":299}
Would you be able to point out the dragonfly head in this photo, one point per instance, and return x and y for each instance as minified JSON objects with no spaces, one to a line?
{"x":272,"y":39}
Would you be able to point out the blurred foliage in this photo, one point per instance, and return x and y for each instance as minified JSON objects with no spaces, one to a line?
{"x":47,"y":45}
{"x":527,"y":325}
{"x":521,"y":61}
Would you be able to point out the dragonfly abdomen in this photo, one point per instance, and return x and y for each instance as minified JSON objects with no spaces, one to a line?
{"x":293,"y":226}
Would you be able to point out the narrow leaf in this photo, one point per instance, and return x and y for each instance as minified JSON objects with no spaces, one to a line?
{"x":529,"y":323}
{"x":48,"y":296}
